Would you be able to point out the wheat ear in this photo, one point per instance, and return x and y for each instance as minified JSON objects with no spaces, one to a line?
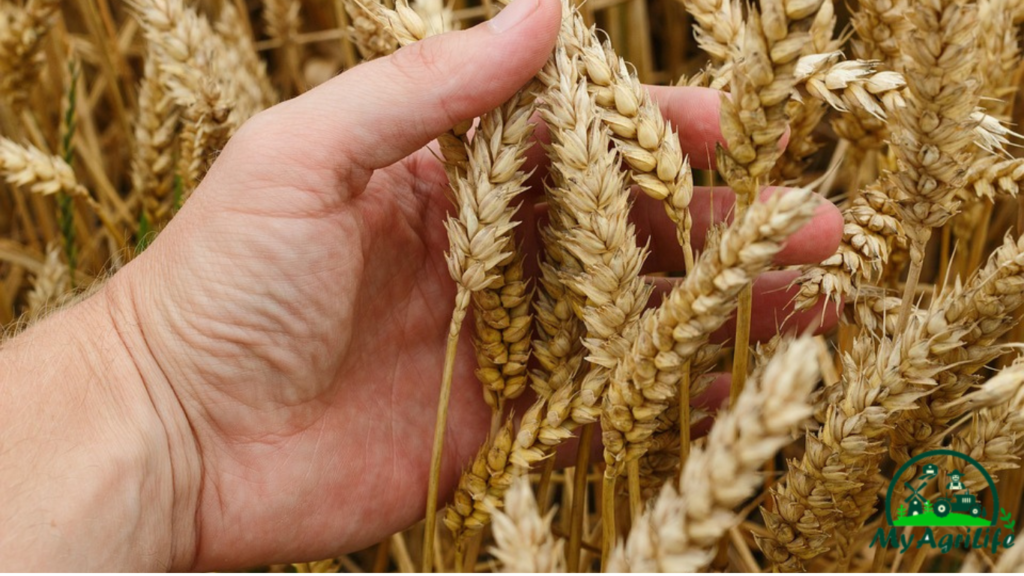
{"x":185,"y":48}
{"x":368,"y":31}
{"x":283,"y":22}
{"x":680,"y":533}
{"x":237,"y":53}
{"x":486,"y":180}
{"x":156,"y":125}
{"x":49,"y":286}
{"x":607,"y":292}
{"x":36,"y":171}
{"x":22,"y":30}
{"x":675,"y":331}
{"x":933,"y":133}
{"x":995,"y":437}
{"x":871,"y":227}
{"x":832,"y":489}
{"x":522,"y":537}
{"x":878,"y":23}
{"x":963,"y":326}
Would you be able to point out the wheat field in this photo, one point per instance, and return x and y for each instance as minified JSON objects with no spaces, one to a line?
{"x":901,"y":112}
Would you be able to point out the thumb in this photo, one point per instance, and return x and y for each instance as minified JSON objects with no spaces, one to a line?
{"x":377,"y":113}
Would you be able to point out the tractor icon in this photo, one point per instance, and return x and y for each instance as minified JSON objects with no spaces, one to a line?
{"x":962,"y":503}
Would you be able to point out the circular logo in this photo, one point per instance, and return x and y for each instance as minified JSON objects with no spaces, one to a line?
{"x":958,"y":508}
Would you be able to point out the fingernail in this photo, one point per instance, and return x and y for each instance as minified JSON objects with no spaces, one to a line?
{"x":512,"y":15}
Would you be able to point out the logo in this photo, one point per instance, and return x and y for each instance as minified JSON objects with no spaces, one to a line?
{"x":939,"y":501}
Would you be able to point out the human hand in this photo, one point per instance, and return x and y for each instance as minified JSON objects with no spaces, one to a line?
{"x":297,"y":306}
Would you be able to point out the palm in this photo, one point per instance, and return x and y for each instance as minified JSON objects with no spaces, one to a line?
{"x":334,"y":386}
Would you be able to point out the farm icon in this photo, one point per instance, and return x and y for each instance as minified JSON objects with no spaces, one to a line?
{"x":949,"y":510}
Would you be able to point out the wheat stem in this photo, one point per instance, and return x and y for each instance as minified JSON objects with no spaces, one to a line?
{"x":684,"y":415}
{"x":434,"y":479}
{"x":636,"y":504}
{"x":579,"y":498}
{"x":608,"y":531}
{"x":920,"y":240}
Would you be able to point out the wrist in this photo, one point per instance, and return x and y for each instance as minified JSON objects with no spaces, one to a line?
{"x":104,"y":471}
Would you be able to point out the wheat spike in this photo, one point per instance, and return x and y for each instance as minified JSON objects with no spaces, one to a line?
{"x":156,"y":124}
{"x":833,"y":488}
{"x":237,"y":53}
{"x":648,"y":144}
{"x":718,"y":24}
{"x":878,"y":23}
{"x":606,"y":291}
{"x":995,"y":437}
{"x":963,"y":326}
{"x":522,"y":537}
{"x":49,"y":286}
{"x":22,"y":29}
{"x":871,"y":227}
{"x":674,"y":332}
{"x":41,"y":173}
{"x":186,"y":48}
{"x":680,"y":533}
{"x":368,"y":31}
